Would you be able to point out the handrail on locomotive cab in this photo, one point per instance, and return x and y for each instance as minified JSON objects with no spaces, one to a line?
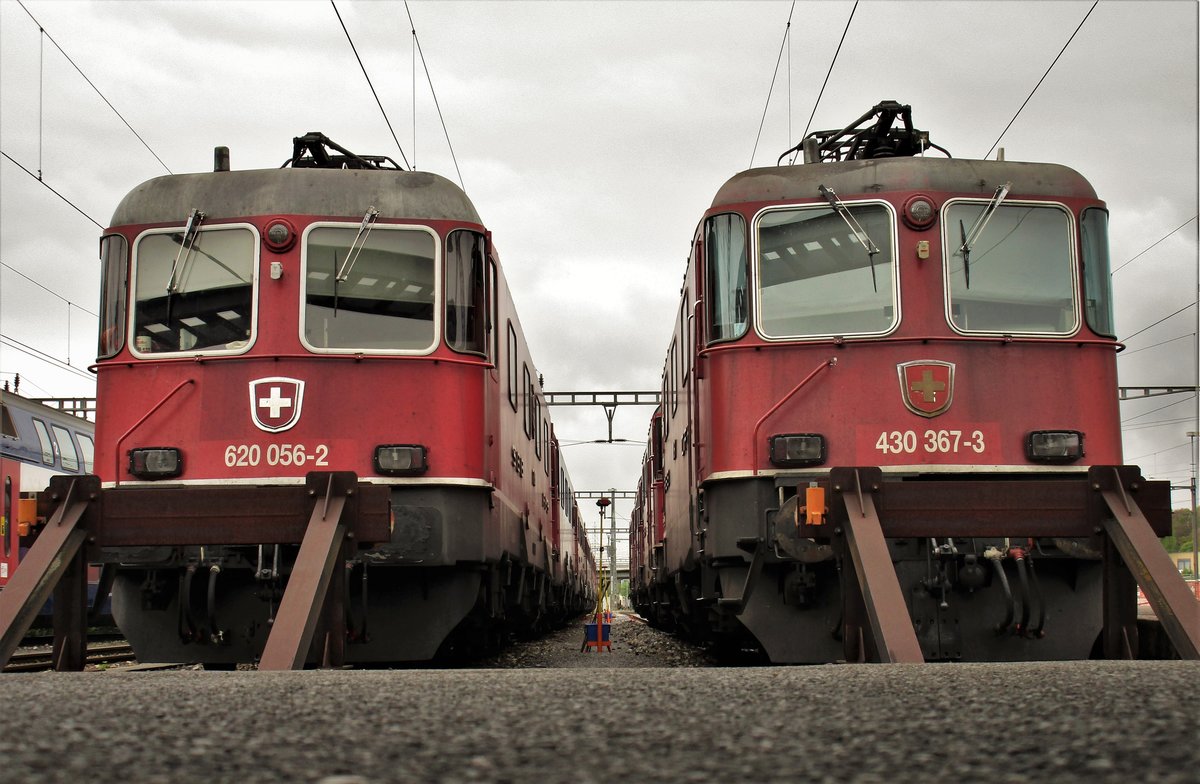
{"x":758,"y":425}
{"x":136,"y":425}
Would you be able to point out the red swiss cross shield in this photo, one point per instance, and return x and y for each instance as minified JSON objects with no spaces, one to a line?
{"x":275,"y":403}
{"x":927,"y":386}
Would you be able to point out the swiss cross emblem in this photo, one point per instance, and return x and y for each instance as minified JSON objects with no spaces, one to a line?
{"x":275,"y":403}
{"x":927,"y":386}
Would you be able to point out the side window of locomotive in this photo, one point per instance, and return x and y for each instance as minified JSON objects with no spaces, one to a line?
{"x":194,"y":297}
{"x":66,"y":446}
{"x":1097,"y":289}
{"x":528,"y":395}
{"x":493,"y":310}
{"x":114,"y":285}
{"x":466,"y":308}
{"x":725,"y":251}
{"x":373,"y":291}
{"x":512,"y":366}
{"x":1017,"y":275}
{"x":817,"y":277}
{"x":43,"y":437}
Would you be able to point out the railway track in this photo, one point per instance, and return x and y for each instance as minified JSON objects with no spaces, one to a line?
{"x":40,"y":660}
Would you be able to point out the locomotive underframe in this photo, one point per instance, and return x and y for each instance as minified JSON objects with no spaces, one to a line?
{"x":997,"y":568}
{"x":410,"y":573}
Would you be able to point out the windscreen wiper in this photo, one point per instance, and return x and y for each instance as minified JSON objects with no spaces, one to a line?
{"x":969,"y":238}
{"x":364,"y":231}
{"x":186,"y":248}
{"x":859,"y":233}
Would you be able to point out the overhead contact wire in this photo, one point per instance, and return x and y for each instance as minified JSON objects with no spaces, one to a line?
{"x":1147,"y":250}
{"x":42,"y":30}
{"x":1039,"y":84}
{"x":369,"y":84}
{"x":830,"y":71}
{"x":433,"y":92}
{"x":56,"y":193}
{"x":771,"y":90}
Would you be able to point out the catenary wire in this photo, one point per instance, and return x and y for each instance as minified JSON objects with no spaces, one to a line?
{"x":1168,"y":234}
{"x":771,"y":90}
{"x":43,"y":31}
{"x":11,"y":268}
{"x":433,"y":92}
{"x":56,"y":193}
{"x":1039,"y":83}
{"x":1124,"y":354}
{"x":1161,"y":320}
{"x":25,"y":348}
{"x":369,"y":84}
{"x":830,"y":71}
{"x":1187,"y":399}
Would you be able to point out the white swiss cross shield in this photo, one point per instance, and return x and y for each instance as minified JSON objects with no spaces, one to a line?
{"x":927,"y":386}
{"x":275,"y":403}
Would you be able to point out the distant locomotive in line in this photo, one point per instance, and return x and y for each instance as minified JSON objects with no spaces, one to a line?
{"x":261,"y":328}
{"x":932,"y":333}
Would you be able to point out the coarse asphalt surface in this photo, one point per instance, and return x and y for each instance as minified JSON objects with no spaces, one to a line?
{"x":569,"y":718}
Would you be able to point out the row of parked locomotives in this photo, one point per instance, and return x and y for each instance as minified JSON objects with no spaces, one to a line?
{"x":320,"y":434}
{"x":888,"y":426}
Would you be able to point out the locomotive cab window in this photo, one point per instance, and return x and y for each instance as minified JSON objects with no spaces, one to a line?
{"x":466,"y":309}
{"x":1097,"y":288}
{"x":818,"y":277}
{"x":725,"y":253}
{"x":114,"y":284}
{"x":194,"y":293}
{"x":369,"y":291}
{"x":1012,"y":271}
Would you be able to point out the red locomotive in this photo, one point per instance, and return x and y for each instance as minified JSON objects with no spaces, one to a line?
{"x":921,"y":345}
{"x":333,"y":340}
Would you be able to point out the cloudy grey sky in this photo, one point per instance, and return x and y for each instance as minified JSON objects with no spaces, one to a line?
{"x":591,"y":136}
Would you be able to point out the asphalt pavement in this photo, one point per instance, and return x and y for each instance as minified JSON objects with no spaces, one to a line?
{"x":1085,"y":721}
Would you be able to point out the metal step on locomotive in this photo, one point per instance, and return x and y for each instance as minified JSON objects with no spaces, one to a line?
{"x":889,"y":425}
{"x":319,"y":437}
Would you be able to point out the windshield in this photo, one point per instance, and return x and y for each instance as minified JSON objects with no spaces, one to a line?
{"x":210,"y":303}
{"x":385,"y":301}
{"x":1018,"y":273}
{"x":817,"y":278}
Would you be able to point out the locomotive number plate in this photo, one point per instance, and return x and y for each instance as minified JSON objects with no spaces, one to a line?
{"x":249,"y":455}
{"x":966,"y":442}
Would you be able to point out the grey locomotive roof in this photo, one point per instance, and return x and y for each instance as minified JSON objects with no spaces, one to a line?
{"x":331,"y":192}
{"x":957,"y":175}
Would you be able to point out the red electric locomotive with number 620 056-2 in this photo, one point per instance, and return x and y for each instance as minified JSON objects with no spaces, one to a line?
{"x":333,"y":340}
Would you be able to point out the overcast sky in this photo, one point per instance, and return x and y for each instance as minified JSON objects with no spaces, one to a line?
{"x":591,"y":137}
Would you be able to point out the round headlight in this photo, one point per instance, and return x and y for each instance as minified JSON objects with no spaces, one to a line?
{"x":280,"y":235}
{"x":920,"y":212}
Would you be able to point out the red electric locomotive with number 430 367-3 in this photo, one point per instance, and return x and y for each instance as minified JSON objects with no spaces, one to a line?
{"x":328,"y":343}
{"x":891,"y":385}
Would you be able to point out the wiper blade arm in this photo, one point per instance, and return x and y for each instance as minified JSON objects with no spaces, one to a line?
{"x":186,"y":246}
{"x":857,"y":230}
{"x":364,"y":231}
{"x":966,"y":253}
{"x":984,"y":218}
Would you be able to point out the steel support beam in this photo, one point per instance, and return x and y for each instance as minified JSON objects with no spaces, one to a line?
{"x":307,"y":592}
{"x":1143,"y":555}
{"x":57,"y":551}
{"x":887,"y":613}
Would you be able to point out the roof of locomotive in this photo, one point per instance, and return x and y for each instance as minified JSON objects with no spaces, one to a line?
{"x":348,"y":192}
{"x":958,"y":175}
